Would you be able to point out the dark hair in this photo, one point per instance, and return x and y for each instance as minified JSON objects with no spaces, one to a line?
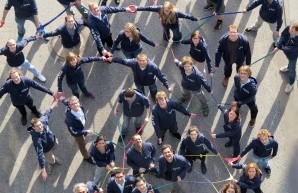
{"x":139,"y":179}
{"x":236,"y":111}
{"x":129,"y":93}
{"x":165,"y":146}
{"x":117,"y":171}
{"x":99,"y":138}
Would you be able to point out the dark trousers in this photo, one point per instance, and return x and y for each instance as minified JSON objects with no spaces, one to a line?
{"x":152,"y":89}
{"x":136,"y":173}
{"x":172,"y":129}
{"x":177,"y":35}
{"x":82,"y":85}
{"x":256,"y":190}
{"x":30,"y":105}
{"x":236,"y":146}
{"x":253,"y":109}
{"x":109,"y":41}
{"x":191,"y":159}
{"x":228,"y":69}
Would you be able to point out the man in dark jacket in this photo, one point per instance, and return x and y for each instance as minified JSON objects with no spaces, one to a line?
{"x":18,"y":87}
{"x":140,"y":156}
{"x":75,"y":121}
{"x":289,"y":44}
{"x":69,"y":33}
{"x":120,"y":183}
{"x":233,"y":48}
{"x":172,"y":167}
{"x":100,"y":26}
{"x":164,"y":116}
{"x":24,"y":10}
{"x":144,"y":73}
{"x":271,"y":11}
{"x":45,"y":142}
{"x":133,"y":102}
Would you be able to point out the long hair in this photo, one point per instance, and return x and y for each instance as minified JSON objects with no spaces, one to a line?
{"x":252,"y":165}
{"x":132,"y":28}
{"x":70,"y":56}
{"x":172,"y":17}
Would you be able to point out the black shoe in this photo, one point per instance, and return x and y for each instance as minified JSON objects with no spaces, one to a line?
{"x":90,"y":160}
{"x":208,"y":7}
{"x":177,"y":135}
{"x":268,"y":170}
{"x":228,"y":144}
{"x":24,"y":120}
{"x":247,"y":30}
{"x":206,"y":111}
{"x":117,"y":2}
{"x":204,"y":168}
{"x":274,"y":45}
{"x":218,"y":25}
{"x":103,"y":3}
{"x":37,"y":114}
{"x":120,"y":139}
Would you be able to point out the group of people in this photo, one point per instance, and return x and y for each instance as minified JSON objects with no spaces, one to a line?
{"x":233,"y":48}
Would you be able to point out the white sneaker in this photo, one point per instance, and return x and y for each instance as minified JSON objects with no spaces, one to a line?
{"x":284,"y":69}
{"x":41,"y":78}
{"x":289,"y":88}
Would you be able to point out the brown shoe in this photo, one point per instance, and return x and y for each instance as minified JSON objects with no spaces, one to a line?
{"x":252,"y":123}
{"x":225,"y":82}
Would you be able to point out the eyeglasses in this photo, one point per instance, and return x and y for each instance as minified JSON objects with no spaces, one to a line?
{"x":119,"y":177}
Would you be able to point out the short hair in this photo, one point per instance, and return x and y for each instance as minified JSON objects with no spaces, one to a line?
{"x":34,"y":121}
{"x":99,"y":138}
{"x":236,"y":110}
{"x":118,"y":171}
{"x":136,"y":135}
{"x":79,"y":185}
{"x":252,"y":165}
{"x":141,"y":55}
{"x":233,"y":26}
{"x":72,"y":98}
{"x":264,"y":132}
{"x":70,"y":56}
{"x":68,"y":16}
{"x":129,"y":93}
{"x":165,"y":146}
{"x":139,"y":179}
{"x":246,"y":69}
{"x":295,"y":25}
{"x":14,"y":70}
{"x":92,"y":3}
{"x":192,"y":128}
{"x":161,"y":95}
{"x":230,"y":185}
{"x":186,"y":60}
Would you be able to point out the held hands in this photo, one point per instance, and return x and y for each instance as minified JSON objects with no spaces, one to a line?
{"x":115,"y":112}
{"x":146,"y":120}
{"x":234,"y":103}
{"x":89,"y":132}
{"x":193,"y":115}
{"x":213,"y":136}
{"x":131,"y":9}
{"x":44,"y":174}
{"x":151,"y":166}
{"x":142,"y":170}
{"x":244,"y":11}
{"x":179,"y":178}
{"x":170,"y":90}
{"x":230,"y":164}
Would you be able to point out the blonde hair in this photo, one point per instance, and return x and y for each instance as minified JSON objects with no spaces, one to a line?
{"x":172,"y":17}
{"x":72,"y":98}
{"x":186,"y":60}
{"x":161,"y":95}
{"x":264,"y":132}
{"x":79,"y":185}
{"x":132,"y":28}
{"x":142,"y":55}
{"x":233,"y":26}
{"x":14,"y":70}
{"x":246,"y":69}
{"x":192,"y":128}
{"x":70,"y":56}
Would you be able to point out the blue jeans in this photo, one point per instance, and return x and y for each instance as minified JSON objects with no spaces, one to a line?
{"x":126,"y":122}
{"x":29,"y":67}
{"x":261,"y":161}
{"x":75,"y":90}
{"x":133,"y":54}
{"x":177,"y":35}
{"x":152,"y":89}
{"x":21,"y":22}
{"x":292,"y":69}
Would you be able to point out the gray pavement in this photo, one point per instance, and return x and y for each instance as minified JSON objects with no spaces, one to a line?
{"x":19,"y":171}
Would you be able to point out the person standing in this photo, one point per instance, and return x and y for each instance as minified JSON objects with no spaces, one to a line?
{"x":24,"y":10}
{"x":15,"y":56}
{"x":195,"y":146}
{"x":140,"y":156}
{"x":271,"y":12}
{"x":233,"y":48}
{"x":134,"y":104}
{"x":288,"y":43}
{"x":18,"y":87}
{"x":75,"y":121}
{"x":264,"y":148}
{"x":172,"y":167}
{"x":120,"y":183}
{"x":78,"y":4}
{"x":45,"y":142}
{"x":144,"y":73}
{"x":164,"y":116}
{"x":220,"y":7}
{"x":245,"y":92}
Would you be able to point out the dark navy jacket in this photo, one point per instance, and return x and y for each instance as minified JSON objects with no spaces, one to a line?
{"x":66,"y":40}
{"x":232,"y":130}
{"x":128,"y":185}
{"x":23,"y":9}
{"x":66,"y":2}
{"x":149,"y":187}
{"x":144,"y":77}
{"x":269,"y":12}
{"x":288,"y":44}
{"x":20,"y":93}
{"x":74,"y":125}
{"x":243,"y":52}
{"x":244,"y":181}
{"x":43,"y":141}
{"x":166,"y":118}
{"x":179,"y":167}
{"x":130,"y":46}
{"x":100,"y":26}
{"x":179,"y":14}
{"x":194,"y":81}
{"x":137,"y":107}
{"x":218,"y":4}
{"x":73,"y":75}
{"x":200,"y":52}
{"x":261,"y":150}
{"x":92,"y":187}
{"x":137,"y":160}
{"x":188,"y":147}
{"x":18,"y":58}
{"x":102,"y":160}
{"x":247,"y":93}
